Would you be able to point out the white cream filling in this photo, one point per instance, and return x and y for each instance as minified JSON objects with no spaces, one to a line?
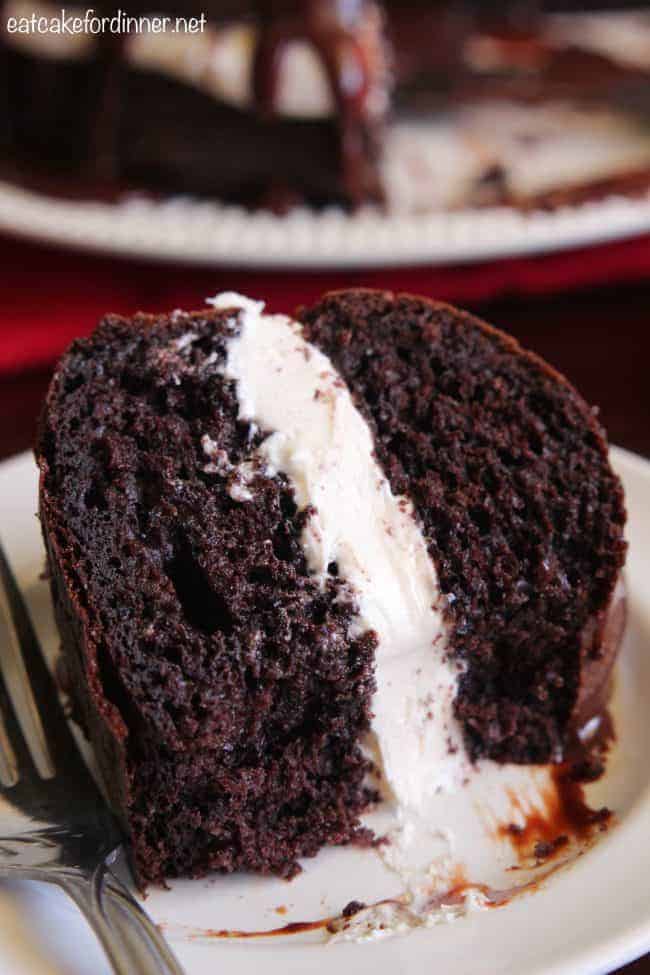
{"x":438,"y":165}
{"x":325,"y":448}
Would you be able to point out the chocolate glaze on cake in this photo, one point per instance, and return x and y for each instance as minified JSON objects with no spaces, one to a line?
{"x":226,"y":689}
{"x":221,"y":113}
{"x":97,"y":114}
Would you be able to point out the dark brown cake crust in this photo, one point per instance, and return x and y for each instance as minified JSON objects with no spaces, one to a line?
{"x":220,"y":687}
{"x":507,"y":467}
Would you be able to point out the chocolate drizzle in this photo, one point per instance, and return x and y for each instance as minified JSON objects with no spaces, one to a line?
{"x":346,"y":66}
{"x":345,"y":37}
{"x":104,"y":154}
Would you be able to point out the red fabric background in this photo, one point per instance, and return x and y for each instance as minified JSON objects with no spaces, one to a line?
{"x":48,"y":297}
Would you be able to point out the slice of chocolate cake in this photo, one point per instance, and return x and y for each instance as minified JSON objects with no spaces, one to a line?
{"x":284,"y":552}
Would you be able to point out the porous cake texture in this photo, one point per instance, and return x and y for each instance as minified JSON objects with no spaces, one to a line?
{"x":245,"y":643}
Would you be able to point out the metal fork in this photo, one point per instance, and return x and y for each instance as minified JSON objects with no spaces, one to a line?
{"x":55,"y":825}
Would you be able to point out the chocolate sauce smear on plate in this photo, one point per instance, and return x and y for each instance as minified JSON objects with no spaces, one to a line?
{"x":565,"y":815}
{"x":297,"y":927}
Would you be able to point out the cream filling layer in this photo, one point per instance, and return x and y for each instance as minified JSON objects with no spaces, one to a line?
{"x":323,"y":445}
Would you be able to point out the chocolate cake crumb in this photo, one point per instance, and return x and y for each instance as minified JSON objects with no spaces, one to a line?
{"x":545,"y":849}
{"x":353,"y":908}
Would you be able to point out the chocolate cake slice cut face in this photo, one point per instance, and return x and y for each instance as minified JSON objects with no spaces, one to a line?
{"x":278,"y":549}
{"x":507,"y":468}
{"x":221,"y":685}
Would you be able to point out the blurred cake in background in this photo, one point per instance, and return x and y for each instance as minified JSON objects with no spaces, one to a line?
{"x":289,"y":102}
{"x":423,"y":105}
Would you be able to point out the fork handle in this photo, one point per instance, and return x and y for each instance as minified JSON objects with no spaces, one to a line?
{"x":150,"y":953}
{"x":131,"y":941}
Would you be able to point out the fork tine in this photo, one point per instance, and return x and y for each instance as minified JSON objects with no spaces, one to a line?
{"x":8,"y":762}
{"x":18,"y":767}
{"x":23,"y":645}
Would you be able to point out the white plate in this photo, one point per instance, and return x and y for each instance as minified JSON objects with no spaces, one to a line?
{"x":586,"y":919}
{"x":431,"y":171}
{"x":206,"y":233}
